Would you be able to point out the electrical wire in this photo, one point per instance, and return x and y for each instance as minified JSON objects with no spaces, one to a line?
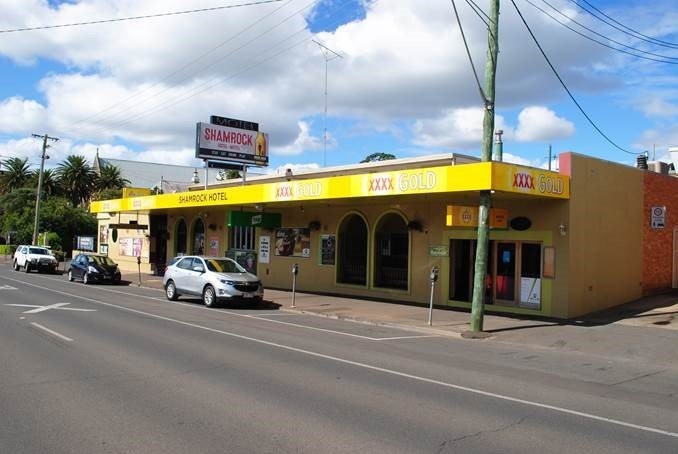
{"x":148,"y":16}
{"x":479,"y":12}
{"x":468,"y":53}
{"x":190,"y":93}
{"x":629,"y":31}
{"x":136,"y":95}
{"x":602,"y":36}
{"x":565,"y":86}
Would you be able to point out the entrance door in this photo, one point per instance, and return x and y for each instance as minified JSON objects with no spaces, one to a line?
{"x":505,"y":282}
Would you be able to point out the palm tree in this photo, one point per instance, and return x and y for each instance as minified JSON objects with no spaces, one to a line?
{"x":110,"y":177}
{"x":50,"y":182}
{"x":16,"y":174}
{"x":76,"y":178}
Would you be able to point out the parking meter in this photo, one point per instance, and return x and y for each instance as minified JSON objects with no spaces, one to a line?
{"x":139,"y":267}
{"x":295,"y":271}
{"x":434,"y":274}
{"x":433,"y":277}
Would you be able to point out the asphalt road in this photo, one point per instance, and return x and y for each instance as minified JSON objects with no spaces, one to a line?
{"x":99,"y":369}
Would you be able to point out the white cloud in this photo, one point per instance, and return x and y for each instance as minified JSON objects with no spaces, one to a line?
{"x":146,"y":83}
{"x":539,"y":124}
{"x":18,"y":115}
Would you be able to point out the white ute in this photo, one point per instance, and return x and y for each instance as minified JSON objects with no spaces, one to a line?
{"x":34,"y":258}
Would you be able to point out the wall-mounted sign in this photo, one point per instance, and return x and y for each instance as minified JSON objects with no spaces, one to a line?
{"x":264,"y":248}
{"x":658,"y":217}
{"x":293,"y":242}
{"x":440,"y":250}
{"x":254,"y":219}
{"x":521,"y":223}
{"x":462,"y":216}
{"x":223,"y":143}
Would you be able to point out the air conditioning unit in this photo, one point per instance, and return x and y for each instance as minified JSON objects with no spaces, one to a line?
{"x":658,"y":167}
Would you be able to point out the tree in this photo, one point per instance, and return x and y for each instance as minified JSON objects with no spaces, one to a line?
{"x":17,"y":209}
{"x":110,"y":177}
{"x":107,"y":194}
{"x":378,"y":157}
{"x":16,"y":176}
{"x":50,"y":182}
{"x":77,"y":178}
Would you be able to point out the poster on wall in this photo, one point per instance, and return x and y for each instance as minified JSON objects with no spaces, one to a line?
{"x":130,"y":247}
{"x":327,"y":249}
{"x":530,"y":292}
{"x":103,"y":234}
{"x":214,"y":245}
{"x":264,"y":249}
{"x":293,"y":242}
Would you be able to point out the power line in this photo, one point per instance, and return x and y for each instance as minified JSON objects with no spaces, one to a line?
{"x":602,"y":36}
{"x":468,"y":53}
{"x":190,"y":63}
{"x":148,"y":16}
{"x":211,"y":82}
{"x":217,"y":81}
{"x":623,"y":28}
{"x":565,"y":86}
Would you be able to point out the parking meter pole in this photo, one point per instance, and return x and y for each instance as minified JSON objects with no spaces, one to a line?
{"x":295,"y":271}
{"x":434,"y":278}
{"x":139,"y":266}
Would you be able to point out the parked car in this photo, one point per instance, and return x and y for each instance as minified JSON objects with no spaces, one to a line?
{"x":89,"y":267}
{"x":215,"y":279}
{"x":34,"y":258}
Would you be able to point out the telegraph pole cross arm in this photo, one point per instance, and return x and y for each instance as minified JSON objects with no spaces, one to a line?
{"x":43,"y":156}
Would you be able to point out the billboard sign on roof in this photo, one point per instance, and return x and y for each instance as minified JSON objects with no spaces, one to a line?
{"x":223,"y":143}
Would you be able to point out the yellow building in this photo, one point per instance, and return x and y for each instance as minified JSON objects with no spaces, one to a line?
{"x":562,"y":243}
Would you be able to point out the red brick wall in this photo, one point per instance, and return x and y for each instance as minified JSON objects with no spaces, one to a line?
{"x":660,"y":190}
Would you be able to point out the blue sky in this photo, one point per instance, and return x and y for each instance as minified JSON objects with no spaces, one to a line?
{"x":135,"y":89}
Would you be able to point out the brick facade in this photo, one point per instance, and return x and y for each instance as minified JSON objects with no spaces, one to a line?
{"x":659,"y":190}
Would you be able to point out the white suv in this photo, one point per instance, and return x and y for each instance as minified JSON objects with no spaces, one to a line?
{"x":34,"y":258}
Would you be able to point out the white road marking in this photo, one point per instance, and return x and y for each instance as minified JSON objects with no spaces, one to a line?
{"x":384,"y":370}
{"x":7,"y":287}
{"x":263,"y":317}
{"x":59,"y":306}
{"x":53,"y":333}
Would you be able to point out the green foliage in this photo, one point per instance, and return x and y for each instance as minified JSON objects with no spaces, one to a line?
{"x":110,"y":177}
{"x":77,"y":178}
{"x":7,"y":249}
{"x":107,"y":194}
{"x":378,"y":157}
{"x":17,"y":210}
{"x":16,"y":174}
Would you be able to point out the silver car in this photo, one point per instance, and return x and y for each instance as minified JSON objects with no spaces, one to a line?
{"x":215,"y":279}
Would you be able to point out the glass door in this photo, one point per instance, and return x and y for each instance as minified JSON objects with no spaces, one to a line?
{"x":505,"y":278}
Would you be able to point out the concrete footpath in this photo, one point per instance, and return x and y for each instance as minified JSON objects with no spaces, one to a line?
{"x":645,"y":330}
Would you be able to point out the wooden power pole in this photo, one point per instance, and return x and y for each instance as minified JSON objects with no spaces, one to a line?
{"x":480,"y":276}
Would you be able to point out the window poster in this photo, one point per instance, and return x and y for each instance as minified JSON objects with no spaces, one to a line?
{"x":530,"y":292}
{"x":293,"y":242}
{"x":264,"y":248}
{"x":327,"y":249}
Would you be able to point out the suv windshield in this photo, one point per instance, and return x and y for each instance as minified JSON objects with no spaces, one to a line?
{"x":224,"y":266}
{"x":38,"y":250}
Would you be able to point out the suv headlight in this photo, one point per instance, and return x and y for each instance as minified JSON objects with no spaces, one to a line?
{"x":34,"y":259}
{"x":225,"y":281}
{"x":91,"y":269}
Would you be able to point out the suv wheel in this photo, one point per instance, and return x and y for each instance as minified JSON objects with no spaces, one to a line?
{"x":85,"y":278}
{"x":209,"y":296}
{"x":70,"y":276}
{"x":171,"y":291}
{"x":16,"y":266}
{"x":27,"y":267}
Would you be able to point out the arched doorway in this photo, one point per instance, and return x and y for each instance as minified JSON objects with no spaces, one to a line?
{"x":180,"y":238}
{"x":391,"y":252}
{"x":198,"y":243}
{"x":352,"y":252}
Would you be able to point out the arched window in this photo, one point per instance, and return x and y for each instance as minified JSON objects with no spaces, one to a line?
{"x":391,"y":252}
{"x":180,"y":238}
{"x":352,"y":252}
{"x":198,"y":237}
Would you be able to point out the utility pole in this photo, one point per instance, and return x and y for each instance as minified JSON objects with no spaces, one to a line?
{"x":44,"y":156}
{"x":550,"y":156}
{"x":478,"y":303}
{"x":329,"y":55}
{"x":498,"y":147}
